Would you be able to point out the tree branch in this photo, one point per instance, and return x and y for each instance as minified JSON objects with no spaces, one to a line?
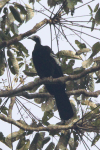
{"x":83,"y":91}
{"x":74,"y":125}
{"x":28,"y":128}
{"x":35,"y":95}
{"x":30,"y":85}
{"x":47,"y":95}
{"x":21,"y":36}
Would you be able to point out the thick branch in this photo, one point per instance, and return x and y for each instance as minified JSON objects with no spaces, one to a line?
{"x":60,"y":80}
{"x":47,"y":95}
{"x":73,"y":125}
{"x":28,"y":128}
{"x":26,"y":34}
{"x":83,"y":91}
{"x":35,"y":95}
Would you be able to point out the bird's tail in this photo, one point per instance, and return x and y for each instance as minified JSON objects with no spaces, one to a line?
{"x":64,"y":107}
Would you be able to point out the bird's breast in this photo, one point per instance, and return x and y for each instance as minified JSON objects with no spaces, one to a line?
{"x":42,"y":64}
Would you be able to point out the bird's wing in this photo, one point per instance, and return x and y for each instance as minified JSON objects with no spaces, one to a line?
{"x":56,"y":59}
{"x":54,"y":63}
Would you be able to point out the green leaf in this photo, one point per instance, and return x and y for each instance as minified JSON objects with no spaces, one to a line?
{"x":80,"y":45}
{"x":91,"y":11}
{"x":72,"y":144}
{"x":37,"y":141}
{"x":2,"y":138}
{"x":2,"y":62}
{"x":21,"y":48}
{"x":97,"y":59}
{"x":0,"y":100}
{"x":70,"y":64}
{"x":30,"y":71}
{"x":67,"y":68}
{"x":4,"y":110}
{"x":95,"y":49}
{"x":65,"y":7}
{"x":97,"y":72}
{"x":11,"y":18}
{"x":45,"y":141}
{"x":3,"y":36}
{"x":48,"y":105}
{"x":63,"y":141}
{"x":21,"y":64}
{"x":50,"y":146}
{"x":72,"y":3}
{"x":96,"y":7}
{"x":76,"y":138}
{"x":21,"y":7}
{"x":91,"y":83}
{"x":14,"y":28}
{"x":21,"y":143}
{"x":73,"y":107}
{"x":10,"y":66}
{"x":96,"y":138}
{"x":87,"y":63}
{"x":13,"y":63}
{"x":69,"y":85}
{"x":47,"y":115}
{"x":32,"y":1}
{"x":13,"y":137}
{"x":83,"y":50}
{"x":16,"y":14}
{"x":93,"y":24}
{"x":68,"y":54}
{"x":5,"y":10}
{"x":97,"y":17}
{"x":91,"y":104}
{"x":25,"y":146}
{"x":37,"y":0}
{"x":30,"y":12}
{"x":97,"y":121}
{"x":51,"y":3}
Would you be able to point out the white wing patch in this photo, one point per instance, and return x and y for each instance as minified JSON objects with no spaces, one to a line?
{"x":55,"y":58}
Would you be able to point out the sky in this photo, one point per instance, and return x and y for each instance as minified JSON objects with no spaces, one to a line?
{"x":63,"y":45}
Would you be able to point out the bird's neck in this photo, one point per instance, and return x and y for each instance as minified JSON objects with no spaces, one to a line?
{"x":37,"y":46}
{"x":38,"y":42}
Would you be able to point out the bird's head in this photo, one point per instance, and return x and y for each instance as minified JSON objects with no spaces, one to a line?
{"x":35,"y":38}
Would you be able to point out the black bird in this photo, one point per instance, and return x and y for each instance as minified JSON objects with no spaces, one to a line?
{"x":47,"y":65}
